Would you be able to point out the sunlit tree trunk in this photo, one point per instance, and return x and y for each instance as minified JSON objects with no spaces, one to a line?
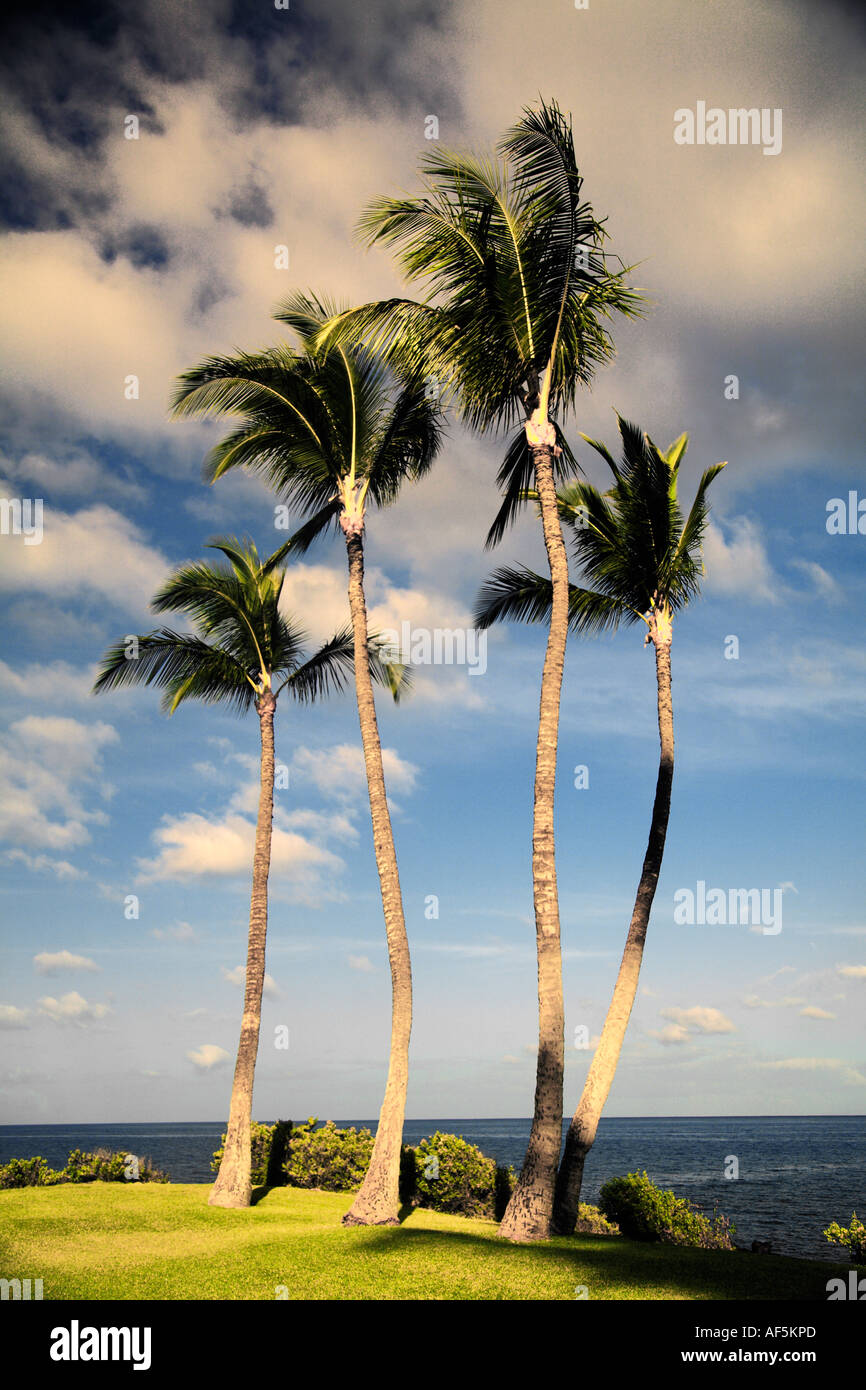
{"x":529,"y":1212}
{"x":378,"y":1200}
{"x":584,"y":1126}
{"x":233,"y":1186}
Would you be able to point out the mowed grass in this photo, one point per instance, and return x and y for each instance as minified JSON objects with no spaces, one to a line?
{"x":154,"y":1241}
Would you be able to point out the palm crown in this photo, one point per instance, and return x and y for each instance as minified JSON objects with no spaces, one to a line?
{"x":519,"y":287}
{"x":642,"y":559}
{"x":244,"y":645}
{"x":329,"y":431}
{"x":515,"y":271}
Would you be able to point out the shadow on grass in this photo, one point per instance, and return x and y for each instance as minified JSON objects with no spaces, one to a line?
{"x":618,"y":1264}
{"x":260,"y":1193}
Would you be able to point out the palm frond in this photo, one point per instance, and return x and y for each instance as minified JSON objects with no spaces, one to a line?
{"x":325,"y":672}
{"x":181,"y":665}
{"x":520,"y":595}
{"x":692,"y":533}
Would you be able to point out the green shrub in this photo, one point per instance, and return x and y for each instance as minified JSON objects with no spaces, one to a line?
{"x":28,"y":1172}
{"x":267,"y":1153}
{"x":452,"y":1175}
{"x":107,"y":1165}
{"x":853,"y":1237}
{"x":102,"y":1166}
{"x":315,"y":1155}
{"x":334,"y":1160}
{"x":645,"y":1212}
{"x":590,"y":1222}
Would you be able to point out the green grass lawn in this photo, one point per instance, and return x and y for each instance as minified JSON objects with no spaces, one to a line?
{"x":155,"y":1241}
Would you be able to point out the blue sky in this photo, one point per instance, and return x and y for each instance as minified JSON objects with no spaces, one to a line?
{"x":137,"y":257}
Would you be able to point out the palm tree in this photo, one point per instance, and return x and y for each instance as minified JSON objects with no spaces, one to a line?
{"x":334,"y":432}
{"x":645,"y":564}
{"x":518,"y":289}
{"x":245,"y":653}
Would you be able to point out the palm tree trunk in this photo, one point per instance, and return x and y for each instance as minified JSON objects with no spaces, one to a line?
{"x":233,"y":1186}
{"x":378,"y":1200}
{"x":529,"y":1212}
{"x":583,"y":1128}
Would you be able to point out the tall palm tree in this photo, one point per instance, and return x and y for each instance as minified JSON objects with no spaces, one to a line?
{"x":333,"y":433}
{"x":645,"y":564}
{"x":245,"y":653}
{"x":518,"y":290}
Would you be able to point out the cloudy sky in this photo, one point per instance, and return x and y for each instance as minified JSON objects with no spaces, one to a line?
{"x":132,"y":258}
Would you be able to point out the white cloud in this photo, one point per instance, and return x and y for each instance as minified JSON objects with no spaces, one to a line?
{"x":55,"y":962}
{"x":824,"y":583}
{"x":813,"y":1011}
{"x":58,"y":682}
{"x":737,"y":563}
{"x":95,"y":550}
{"x":339,"y":771}
{"x":739,"y":246}
{"x":44,"y":864}
{"x":700,"y":1019}
{"x":193,"y":846}
{"x":182,"y":931}
{"x":822,"y":679}
{"x":72,"y":1008}
{"x":852,"y":972}
{"x":46,"y":763}
{"x":672,"y":1033}
{"x":75,"y":472}
{"x":362,"y":963}
{"x":316,"y":596}
{"x":238,"y":976}
{"x":208,"y":1056}
{"x":12,"y":1017}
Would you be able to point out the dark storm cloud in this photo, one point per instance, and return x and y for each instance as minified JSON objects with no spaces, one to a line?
{"x":73,"y":73}
{"x":142,"y":245}
{"x":250,"y":207}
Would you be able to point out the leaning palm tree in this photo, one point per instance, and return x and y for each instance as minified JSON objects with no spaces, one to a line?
{"x":518,"y":291}
{"x":645,"y":564}
{"x":244,"y":654}
{"x":334,"y":433}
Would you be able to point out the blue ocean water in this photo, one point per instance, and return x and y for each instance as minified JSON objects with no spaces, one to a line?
{"x":796,"y":1174}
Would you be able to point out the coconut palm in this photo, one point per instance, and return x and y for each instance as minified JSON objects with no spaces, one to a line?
{"x":334,"y":433}
{"x":644,"y":562}
{"x":518,"y":291}
{"x":245,"y":653}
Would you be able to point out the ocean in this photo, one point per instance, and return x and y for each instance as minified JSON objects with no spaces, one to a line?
{"x":796,"y":1174}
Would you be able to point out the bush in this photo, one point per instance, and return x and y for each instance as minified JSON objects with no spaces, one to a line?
{"x":332,"y":1159}
{"x":28,"y":1172}
{"x":315,"y":1155}
{"x":590,"y":1222}
{"x":645,"y":1212}
{"x":853,"y":1237}
{"x":454,"y":1176}
{"x":108,"y":1165}
{"x":102,"y":1166}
